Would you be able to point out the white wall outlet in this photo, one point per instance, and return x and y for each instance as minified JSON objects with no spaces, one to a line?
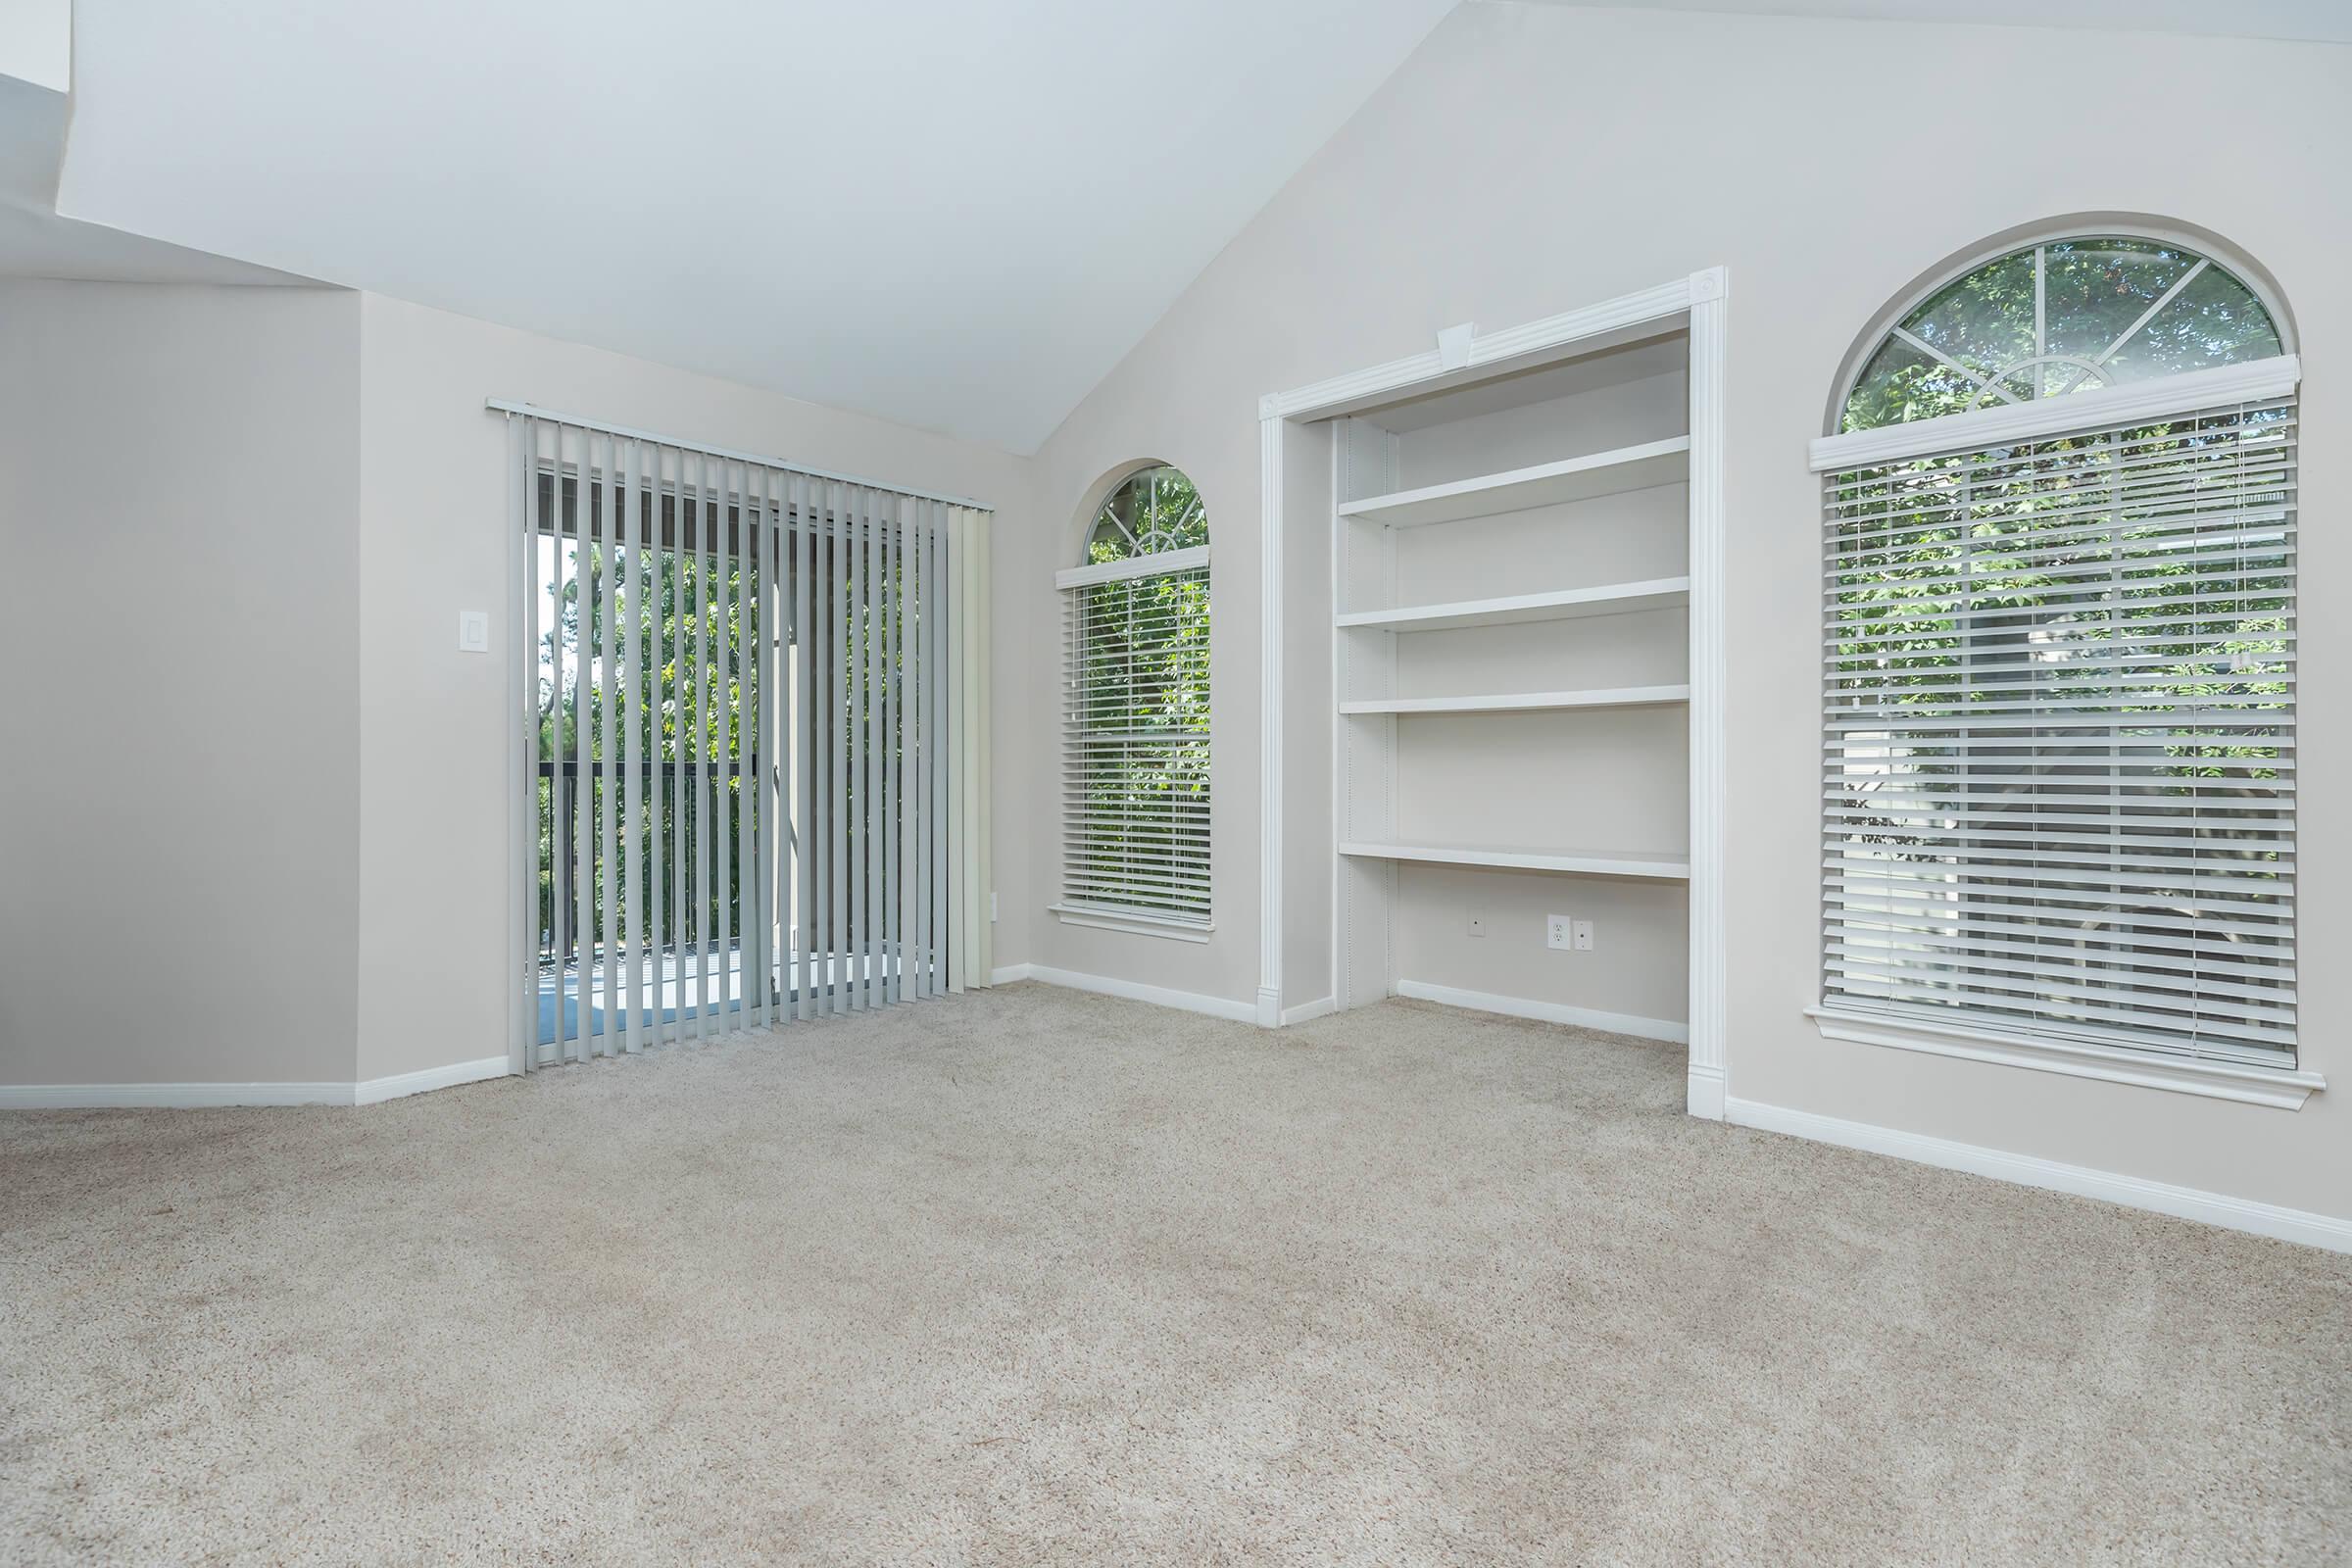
{"x":1581,"y":935}
{"x":1555,"y":931}
{"x":1478,"y":925}
{"x":473,"y":631}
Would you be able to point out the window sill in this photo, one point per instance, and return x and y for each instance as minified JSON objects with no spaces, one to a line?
{"x":2281,"y":1087}
{"x":1142,"y":925}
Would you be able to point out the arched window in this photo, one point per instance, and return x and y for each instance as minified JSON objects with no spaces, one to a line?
{"x":2052,"y":319}
{"x":2059,"y":787}
{"x":1136,"y":713}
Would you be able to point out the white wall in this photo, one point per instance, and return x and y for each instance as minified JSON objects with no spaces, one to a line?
{"x":254,"y":824}
{"x":434,"y":858}
{"x":1529,"y":159}
{"x":180,"y":678}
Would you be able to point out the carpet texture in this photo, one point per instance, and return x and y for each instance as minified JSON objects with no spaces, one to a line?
{"x":1040,"y":1277}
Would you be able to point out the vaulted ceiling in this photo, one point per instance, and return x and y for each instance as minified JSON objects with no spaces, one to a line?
{"x":956,"y":215}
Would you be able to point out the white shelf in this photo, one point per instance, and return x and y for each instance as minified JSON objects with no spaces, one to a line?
{"x":1526,"y":702}
{"x":1587,"y":862}
{"x":1603,"y":473}
{"x":1567,"y":604}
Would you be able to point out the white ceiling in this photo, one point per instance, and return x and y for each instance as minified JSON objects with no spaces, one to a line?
{"x":2315,"y":21}
{"x":955,"y":215}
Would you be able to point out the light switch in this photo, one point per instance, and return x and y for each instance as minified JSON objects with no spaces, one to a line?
{"x":473,"y":631}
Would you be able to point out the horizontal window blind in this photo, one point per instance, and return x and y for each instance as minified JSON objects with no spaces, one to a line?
{"x":2059,"y":758}
{"x":1135,"y":769}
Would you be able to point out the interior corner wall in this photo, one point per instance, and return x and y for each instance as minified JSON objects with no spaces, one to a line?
{"x":435,"y":859}
{"x":180,"y":675}
{"x":1531,"y":158}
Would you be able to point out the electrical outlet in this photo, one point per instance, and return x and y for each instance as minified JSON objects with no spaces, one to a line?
{"x":1555,"y":931}
{"x":1478,"y":925}
{"x":1580,"y":934}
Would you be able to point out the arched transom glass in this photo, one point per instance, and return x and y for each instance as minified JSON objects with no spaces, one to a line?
{"x":1151,"y":512}
{"x":2062,"y":316}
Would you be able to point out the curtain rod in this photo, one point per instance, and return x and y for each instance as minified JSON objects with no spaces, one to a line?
{"x":533,"y":410}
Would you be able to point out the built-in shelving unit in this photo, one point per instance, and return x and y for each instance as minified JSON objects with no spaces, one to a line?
{"x":1512,"y":592}
{"x":1524,"y":531}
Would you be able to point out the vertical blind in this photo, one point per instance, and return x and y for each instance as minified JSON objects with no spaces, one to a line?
{"x":752,"y":742}
{"x":2059,"y":769}
{"x":1135,"y":762}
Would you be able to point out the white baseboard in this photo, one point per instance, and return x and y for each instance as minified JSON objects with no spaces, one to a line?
{"x":1616,"y":1023}
{"x":2132,"y":1192}
{"x":1009,"y":973}
{"x":375,"y":1091}
{"x":203,"y":1097}
{"x":1309,"y":1010}
{"x":1132,"y":990}
{"x":166,"y":1097}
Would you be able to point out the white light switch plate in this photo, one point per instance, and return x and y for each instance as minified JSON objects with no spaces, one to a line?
{"x":473,"y":631}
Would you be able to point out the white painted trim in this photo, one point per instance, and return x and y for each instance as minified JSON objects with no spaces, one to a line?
{"x":2132,"y":1192}
{"x":1309,"y":1010}
{"x":203,"y":1097}
{"x":1488,"y":353}
{"x":1142,"y":925}
{"x":375,"y":1091}
{"x":1130,"y":989}
{"x":1616,"y":1023}
{"x":177,"y":1097}
{"x":2285,"y":1088}
{"x":1525,"y":701}
{"x":2135,"y":401}
{"x":1709,"y":1028}
{"x":1702,"y":1093}
{"x":1162,"y":564}
{"x":1272,"y":610}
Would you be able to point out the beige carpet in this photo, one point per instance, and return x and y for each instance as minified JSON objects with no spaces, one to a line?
{"x":1036,"y":1277}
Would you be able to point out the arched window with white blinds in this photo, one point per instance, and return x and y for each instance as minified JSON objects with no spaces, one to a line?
{"x":1136,"y":713}
{"x":2059,"y":676}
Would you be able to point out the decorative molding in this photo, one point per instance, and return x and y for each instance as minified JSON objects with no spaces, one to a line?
{"x":2327,"y":1231}
{"x":2132,"y":402}
{"x":1128,"y":990}
{"x":1709,"y":677}
{"x":204,"y":1096}
{"x":1548,"y":334}
{"x":2283,"y":1087}
{"x":1702,"y":1093}
{"x":375,"y":1091}
{"x":1306,"y":1011}
{"x":1616,"y":1023}
{"x":1141,"y":925}
{"x":1453,"y":344}
{"x":1271,"y":719}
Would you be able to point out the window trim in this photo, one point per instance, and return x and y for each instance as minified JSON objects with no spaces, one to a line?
{"x":1191,"y":560}
{"x":2253,"y":380}
{"x":1972,"y":1040}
